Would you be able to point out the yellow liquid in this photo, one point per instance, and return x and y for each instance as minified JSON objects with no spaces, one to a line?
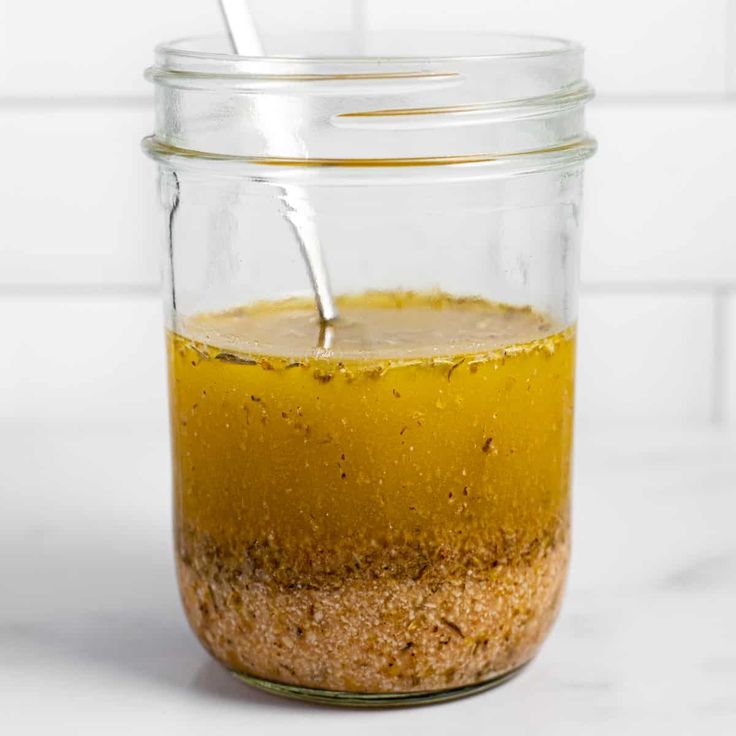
{"x":424,"y":439}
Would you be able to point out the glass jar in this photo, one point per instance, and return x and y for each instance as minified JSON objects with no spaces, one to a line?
{"x":373,"y":510}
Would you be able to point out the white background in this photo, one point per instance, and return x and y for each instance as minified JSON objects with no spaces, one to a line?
{"x":90,"y":635}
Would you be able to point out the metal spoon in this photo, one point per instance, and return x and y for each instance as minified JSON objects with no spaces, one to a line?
{"x":246,"y":42}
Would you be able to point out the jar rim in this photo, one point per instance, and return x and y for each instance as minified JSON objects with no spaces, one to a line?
{"x":178,"y":52}
{"x":526,"y":96}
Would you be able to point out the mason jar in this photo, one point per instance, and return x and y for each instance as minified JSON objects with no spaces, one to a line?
{"x":372,"y":509}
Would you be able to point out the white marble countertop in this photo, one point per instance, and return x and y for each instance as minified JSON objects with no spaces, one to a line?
{"x":92,"y":639}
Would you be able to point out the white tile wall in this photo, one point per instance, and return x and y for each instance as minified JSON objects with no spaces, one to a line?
{"x":87,"y":47}
{"x":77,"y":198}
{"x":99,"y":358}
{"x":661,"y":196}
{"x":90,"y":47}
{"x":731,"y":46}
{"x":653,"y":47}
{"x":646,"y":358}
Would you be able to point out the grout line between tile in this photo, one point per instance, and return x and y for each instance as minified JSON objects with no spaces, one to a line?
{"x":79,"y":291}
{"x":658,"y":287}
{"x":720,"y":356}
{"x":654,"y":288}
{"x":726,"y":99}
{"x":145,"y":102}
{"x":75,"y":102}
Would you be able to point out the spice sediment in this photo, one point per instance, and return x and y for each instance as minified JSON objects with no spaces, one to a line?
{"x":399,"y":620}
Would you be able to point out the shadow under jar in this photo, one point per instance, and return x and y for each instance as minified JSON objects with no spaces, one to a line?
{"x":374,"y":511}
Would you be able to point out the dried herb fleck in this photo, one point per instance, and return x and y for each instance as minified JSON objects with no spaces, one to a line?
{"x":451,"y":625}
{"x":456,"y":365}
{"x":232,"y":358}
{"x":203,"y":354}
{"x":376,"y":372}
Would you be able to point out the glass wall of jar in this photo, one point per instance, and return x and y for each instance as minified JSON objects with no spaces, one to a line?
{"x":373,"y":510}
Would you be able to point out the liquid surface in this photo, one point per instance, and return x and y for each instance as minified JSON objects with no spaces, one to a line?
{"x":373,"y":325}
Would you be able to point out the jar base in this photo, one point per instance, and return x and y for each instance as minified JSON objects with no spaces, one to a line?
{"x":374,"y":700}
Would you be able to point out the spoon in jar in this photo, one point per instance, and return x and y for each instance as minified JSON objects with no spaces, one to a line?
{"x":245,"y":41}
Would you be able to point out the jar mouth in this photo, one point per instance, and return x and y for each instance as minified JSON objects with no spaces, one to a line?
{"x":375,"y":48}
{"x":446,"y":97}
